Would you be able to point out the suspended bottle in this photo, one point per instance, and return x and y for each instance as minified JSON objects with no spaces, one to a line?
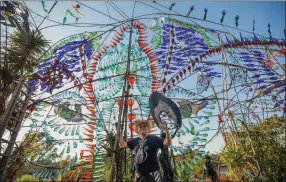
{"x":43,"y":174}
{"x":40,"y":104}
{"x":195,"y":162}
{"x":50,"y":116}
{"x":62,"y":152}
{"x":203,"y":134}
{"x":206,"y":117}
{"x":52,"y":121}
{"x":206,"y":122}
{"x":193,"y":131}
{"x":206,"y":129}
{"x":57,"y":127}
{"x":196,"y":139}
{"x":56,"y":176}
{"x":68,"y":131}
{"x":62,"y":130}
{"x":180,"y":151}
{"x":187,"y":129}
{"x":54,"y":153}
{"x":73,"y":130}
{"x":191,"y":125}
{"x":54,"y":156}
{"x":201,"y":146}
{"x":34,"y":121}
{"x":40,"y":173}
{"x":33,"y":126}
{"x":49,"y":174}
{"x":64,"y":20}
{"x":68,"y":149}
{"x":174,"y":148}
{"x":74,"y":144}
{"x":80,"y":139}
{"x":172,"y":132}
{"x":211,"y":107}
{"x":203,"y":140}
{"x":201,"y":152}
{"x":77,"y":130}
{"x":36,"y":174}
{"x":189,"y":147}
{"x":186,"y":169}
{"x":196,"y":121}
{"x":213,"y":102}
{"x":208,"y":113}
{"x":75,"y":157}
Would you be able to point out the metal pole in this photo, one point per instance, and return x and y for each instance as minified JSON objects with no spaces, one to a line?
{"x":8,"y":111}
{"x":14,"y":130}
{"x":120,"y":118}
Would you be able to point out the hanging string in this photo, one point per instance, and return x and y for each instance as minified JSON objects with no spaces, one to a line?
{"x":253,"y":28}
{"x":206,"y":11}
{"x":222,"y":16}
{"x":191,"y":9}
{"x":107,"y":10}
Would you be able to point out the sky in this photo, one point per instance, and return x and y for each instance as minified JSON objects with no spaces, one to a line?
{"x":262,"y":12}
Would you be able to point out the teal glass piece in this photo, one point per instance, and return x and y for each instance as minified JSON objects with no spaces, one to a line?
{"x":211,"y":107}
{"x":206,"y":129}
{"x":74,"y":144}
{"x":57,"y":128}
{"x":203,"y":134}
{"x":203,"y":140}
{"x":67,"y":132}
{"x":62,"y":130}
{"x":201,"y":152}
{"x":201,"y":146}
{"x":73,"y":130}
{"x":196,"y":121}
{"x":77,"y":131}
{"x":68,"y":148}
{"x":80,"y":139}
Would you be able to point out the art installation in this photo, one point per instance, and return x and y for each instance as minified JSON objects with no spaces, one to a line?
{"x":193,"y":75}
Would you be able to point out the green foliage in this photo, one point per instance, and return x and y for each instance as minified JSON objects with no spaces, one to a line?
{"x":25,"y":59}
{"x":18,"y":164}
{"x":189,"y":167}
{"x":258,"y":147}
{"x":26,"y":178}
{"x":19,"y":59}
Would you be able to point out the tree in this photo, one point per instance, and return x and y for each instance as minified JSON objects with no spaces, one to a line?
{"x":18,"y":157}
{"x":261,"y":154}
{"x":189,"y":167}
{"x":102,"y":162}
{"x":19,"y":60}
